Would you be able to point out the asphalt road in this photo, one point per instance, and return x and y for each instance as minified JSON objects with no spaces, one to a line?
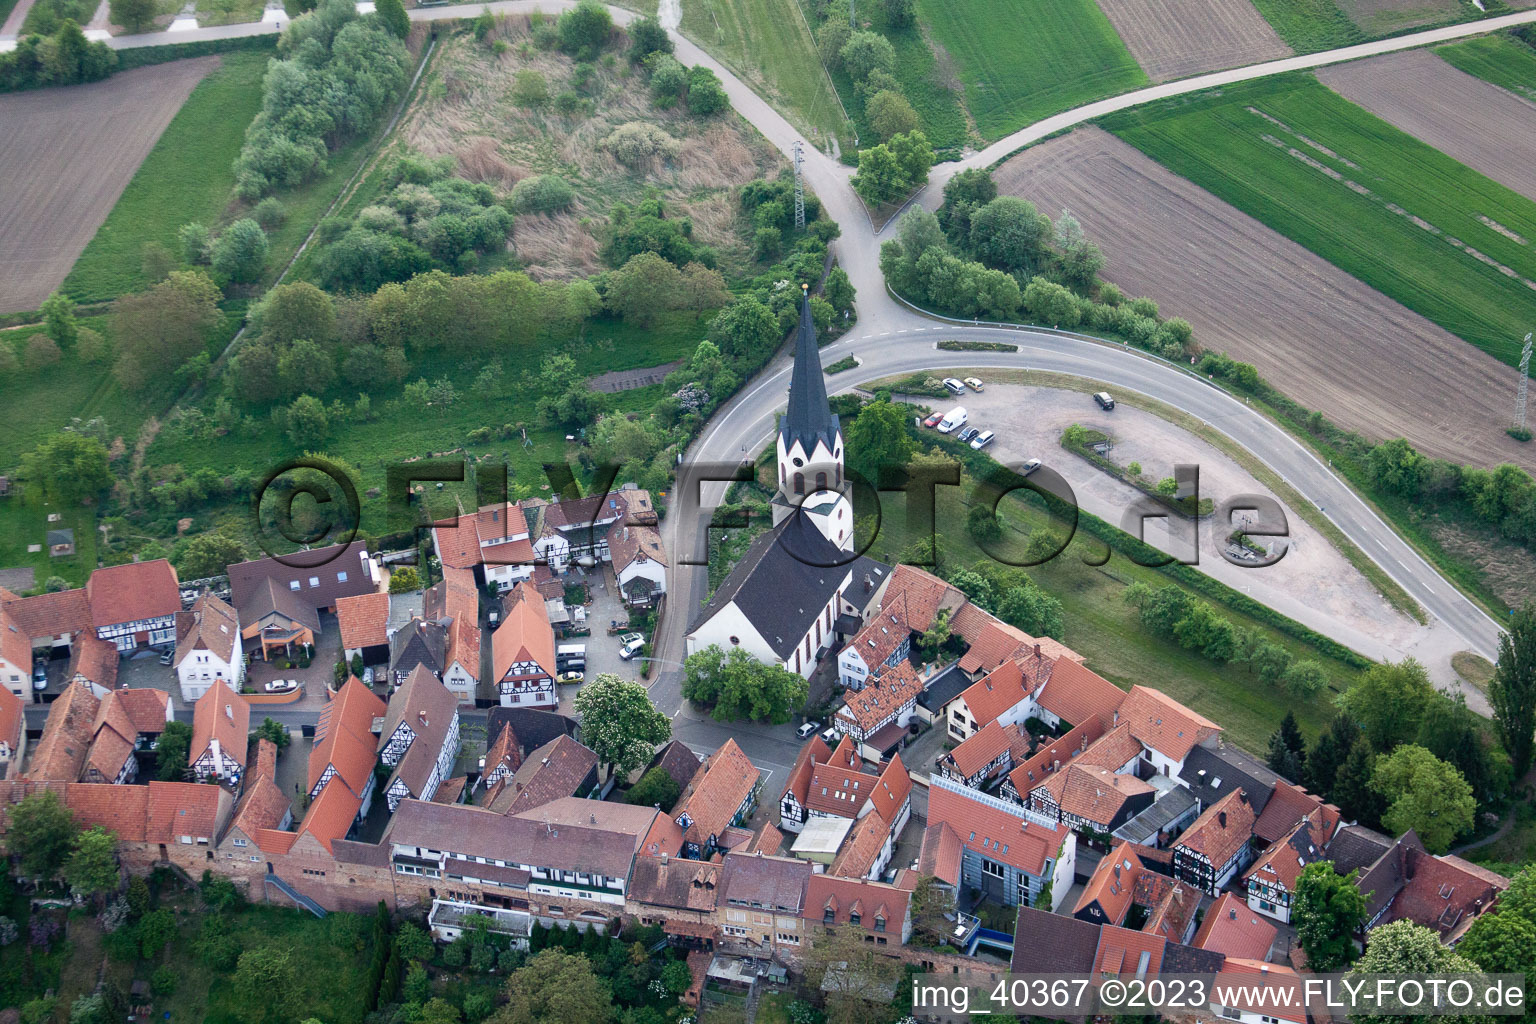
{"x":890,"y":338}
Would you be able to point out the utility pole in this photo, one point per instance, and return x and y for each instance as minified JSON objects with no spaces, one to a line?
{"x":1525,"y":383}
{"x":799,"y":189}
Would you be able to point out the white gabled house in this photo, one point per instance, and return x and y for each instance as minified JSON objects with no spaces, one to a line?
{"x":208,"y":648}
{"x":221,"y":725}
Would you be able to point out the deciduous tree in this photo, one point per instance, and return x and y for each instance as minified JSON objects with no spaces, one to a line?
{"x":555,"y":987}
{"x":1425,"y":794}
{"x":738,"y":686}
{"x":1403,"y":947}
{"x":41,"y":835}
{"x":158,"y":330}
{"x":1326,"y":912}
{"x":92,"y":865}
{"x":68,"y":468}
{"x":240,"y":251}
{"x":1389,"y":702}
{"x":619,"y":722}
{"x":208,"y":554}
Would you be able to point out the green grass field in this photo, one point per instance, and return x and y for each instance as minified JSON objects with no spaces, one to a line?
{"x":1309,"y":25}
{"x":768,"y":43}
{"x":186,"y":177}
{"x":1026,"y":59}
{"x":1108,"y":632}
{"x":1307,"y":184}
{"x":1501,"y":59}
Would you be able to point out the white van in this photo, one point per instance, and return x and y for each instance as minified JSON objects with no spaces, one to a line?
{"x":953,"y":420}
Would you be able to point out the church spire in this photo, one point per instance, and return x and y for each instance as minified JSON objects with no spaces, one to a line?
{"x":809,"y":417}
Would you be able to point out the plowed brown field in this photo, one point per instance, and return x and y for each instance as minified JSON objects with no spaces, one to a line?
{"x":1490,"y":130}
{"x":1313,"y":331}
{"x":1177,"y":38}
{"x":68,"y":154}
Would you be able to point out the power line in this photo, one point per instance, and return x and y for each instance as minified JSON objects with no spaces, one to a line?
{"x":800,"y":188}
{"x":1525,"y":383}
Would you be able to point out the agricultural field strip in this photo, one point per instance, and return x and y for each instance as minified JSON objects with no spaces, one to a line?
{"x":69,"y":154}
{"x":1174,"y":38}
{"x":1309,"y":327}
{"x":1468,"y":119}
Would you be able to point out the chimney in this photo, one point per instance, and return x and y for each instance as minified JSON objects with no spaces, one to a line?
{"x":869,"y":584}
{"x":1232,"y":914}
{"x":663,"y":856}
{"x":1037,"y":650}
{"x":1222,"y":818}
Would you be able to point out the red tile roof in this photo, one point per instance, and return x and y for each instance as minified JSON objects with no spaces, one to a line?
{"x":363,"y":620}
{"x":998,"y":834}
{"x":844,"y":897}
{"x":60,"y":755}
{"x":331,"y":815}
{"x":719,"y":789}
{"x":49,"y":615}
{"x":999,"y":690}
{"x":1076,"y":693}
{"x":1114,"y":750}
{"x":1163,"y":724}
{"x":991,"y":641}
{"x":179,"y":809}
{"x":120,"y":809}
{"x":1092,"y":793}
{"x":814,"y":752}
{"x":1273,"y":1001}
{"x":892,"y":790}
{"x":911,"y":600}
{"x":870,"y":707}
{"x":344,"y":736}
{"x":143,"y":710}
{"x":984,"y":746}
{"x":1282,"y":862}
{"x":15,"y":645}
{"x":861,"y":847}
{"x":1221,"y":831}
{"x":1231,"y":928}
{"x":136,"y":590}
{"x":1289,"y":804}
{"x":220,"y":714}
{"x":1113,"y":883}
{"x":524,"y":635}
{"x":93,"y":660}
{"x":262,"y":808}
{"x":211,"y":625}
{"x":12,"y":716}
{"x":1053,"y":755}
{"x":941,"y":854}
{"x":1124,"y":953}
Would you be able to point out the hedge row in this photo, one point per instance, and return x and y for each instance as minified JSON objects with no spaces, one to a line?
{"x":145,"y":56}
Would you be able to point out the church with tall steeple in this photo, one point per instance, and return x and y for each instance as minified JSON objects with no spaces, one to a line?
{"x":799,"y":587}
{"x":810,"y":445}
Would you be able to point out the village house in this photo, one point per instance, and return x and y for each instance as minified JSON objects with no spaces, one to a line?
{"x":60,"y":754}
{"x":127,"y":721}
{"x":363,"y":620}
{"x":560,"y":768}
{"x":1215,"y":847}
{"x":881,"y":914}
{"x":1445,"y":893}
{"x":15,"y":657}
{"x":864,"y":811}
{"x":492,"y":542}
{"x":1091,"y":799}
{"x":48,"y":621}
{"x":1134,"y":878}
{"x":523,"y":652}
{"x":13,"y":733}
{"x":419,"y":738}
{"x":345,"y":748}
{"x":418,"y":644}
{"x":1050,"y":756}
{"x":455,"y":604}
{"x":1233,"y":929}
{"x":1009,"y":853}
{"x":1072,"y":693}
{"x":760,"y":901}
{"x":1271,"y":880}
{"x":279,"y":601}
{"x":221,"y":723}
{"x":722,"y":794}
{"x":1004,"y":696}
{"x":910,"y":601}
{"x":877,"y":716}
{"x":94,"y":662}
{"x":208,"y":647}
{"x":989,"y":753}
{"x":677,"y":894}
{"x":1166,"y":729}
{"x":134,"y":605}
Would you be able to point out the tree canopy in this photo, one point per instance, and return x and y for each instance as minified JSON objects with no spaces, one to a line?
{"x":619,"y":722}
{"x":1326,"y":912}
{"x":738,"y":686}
{"x":1513,"y":689}
{"x":1425,"y":794}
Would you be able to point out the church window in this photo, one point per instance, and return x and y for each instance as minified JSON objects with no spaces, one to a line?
{"x":821,"y":481}
{"x":735,"y":641}
{"x":799,"y":482}
{"x":799,"y":462}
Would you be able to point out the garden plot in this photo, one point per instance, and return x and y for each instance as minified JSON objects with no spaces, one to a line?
{"x":1178,"y":38}
{"x":1313,"y":331}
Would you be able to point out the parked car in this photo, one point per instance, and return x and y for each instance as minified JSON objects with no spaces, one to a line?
{"x":632,"y":648}
{"x":806,"y":729}
{"x":933,"y":421}
{"x":968,"y":433}
{"x":953,"y":420}
{"x":625,"y":639}
{"x":1031,"y":466}
{"x":974,"y":383}
{"x":368,"y":676}
{"x":572,"y":677}
{"x":168,"y":656}
{"x":983,"y":439}
{"x":1105,"y":401}
{"x":281,"y":685}
{"x":40,"y":675}
{"x":954,"y":385}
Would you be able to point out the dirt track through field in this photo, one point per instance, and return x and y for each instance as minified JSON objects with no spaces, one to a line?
{"x":68,"y":155}
{"x":1490,"y":130}
{"x":1313,"y":331}
{"x":1176,"y":38}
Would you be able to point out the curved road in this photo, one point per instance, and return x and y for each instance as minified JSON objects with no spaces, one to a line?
{"x":893,"y":339}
